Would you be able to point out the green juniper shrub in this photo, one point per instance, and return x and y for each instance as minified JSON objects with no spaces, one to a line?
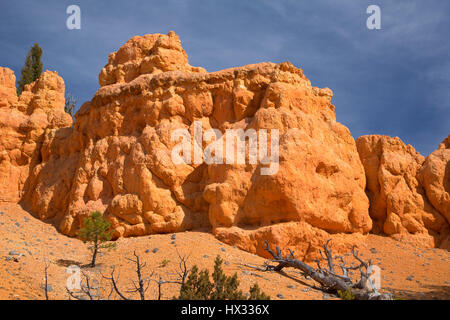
{"x":164,"y":263}
{"x":198,"y":286}
{"x":346,"y":295}
{"x":225,"y":288}
{"x":257,"y":294}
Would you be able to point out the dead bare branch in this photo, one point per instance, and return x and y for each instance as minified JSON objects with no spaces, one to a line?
{"x":328,"y":278}
{"x":46,"y":279}
{"x":140,"y":287}
{"x":142,"y":284}
{"x":114,"y":284}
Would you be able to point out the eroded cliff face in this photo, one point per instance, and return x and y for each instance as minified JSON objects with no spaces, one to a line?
{"x":23,"y":122}
{"x":117,"y":157}
{"x":435,"y":177}
{"x":409,"y":195}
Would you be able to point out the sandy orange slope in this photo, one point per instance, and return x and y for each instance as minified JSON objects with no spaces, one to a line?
{"x":408,"y":272}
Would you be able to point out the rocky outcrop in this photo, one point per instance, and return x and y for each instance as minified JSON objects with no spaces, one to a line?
{"x":149,"y":54}
{"x":8,"y":94}
{"x":23,"y":122}
{"x":435,"y":177}
{"x":407,"y":192}
{"x":117,"y":159}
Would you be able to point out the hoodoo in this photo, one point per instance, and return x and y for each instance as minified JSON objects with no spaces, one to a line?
{"x":116,"y":157}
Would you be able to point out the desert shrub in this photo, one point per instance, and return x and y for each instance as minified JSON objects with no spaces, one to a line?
{"x":346,"y":295}
{"x":164,"y":263}
{"x":257,"y":294}
{"x":198,"y":286}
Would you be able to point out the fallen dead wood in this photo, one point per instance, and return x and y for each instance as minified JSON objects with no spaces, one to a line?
{"x":329,"y":279}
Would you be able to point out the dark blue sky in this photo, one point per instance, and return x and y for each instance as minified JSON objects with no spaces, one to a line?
{"x":393,"y":81}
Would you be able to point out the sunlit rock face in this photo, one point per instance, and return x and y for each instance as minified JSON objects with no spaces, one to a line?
{"x":23,"y":123}
{"x":117,"y":157}
{"x":409,"y":194}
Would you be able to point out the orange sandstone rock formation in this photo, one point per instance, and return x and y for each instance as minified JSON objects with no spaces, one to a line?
{"x":149,"y":54}
{"x":116,"y":157}
{"x":23,"y":122}
{"x":408,"y":194}
{"x":435,"y":177}
{"x":8,"y":94}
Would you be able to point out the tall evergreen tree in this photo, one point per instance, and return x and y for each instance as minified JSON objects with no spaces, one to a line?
{"x":32,"y":69}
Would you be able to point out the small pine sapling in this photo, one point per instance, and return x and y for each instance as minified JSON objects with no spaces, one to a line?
{"x":96,"y":231}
